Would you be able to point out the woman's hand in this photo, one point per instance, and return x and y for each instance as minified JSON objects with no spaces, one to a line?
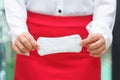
{"x":24,"y":44}
{"x":95,"y":44}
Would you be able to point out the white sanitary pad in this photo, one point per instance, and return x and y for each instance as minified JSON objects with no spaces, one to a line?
{"x":54,"y":45}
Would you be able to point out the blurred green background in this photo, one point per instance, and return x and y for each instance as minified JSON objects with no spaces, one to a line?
{"x":7,"y":55}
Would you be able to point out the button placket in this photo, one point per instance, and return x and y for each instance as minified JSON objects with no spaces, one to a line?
{"x":59,"y":8}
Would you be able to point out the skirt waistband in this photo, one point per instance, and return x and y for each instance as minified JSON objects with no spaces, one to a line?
{"x":59,"y":20}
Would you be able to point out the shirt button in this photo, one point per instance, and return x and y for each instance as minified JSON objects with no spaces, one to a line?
{"x":59,"y":11}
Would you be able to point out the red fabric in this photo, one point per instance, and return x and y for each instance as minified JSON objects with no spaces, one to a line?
{"x":65,"y":66}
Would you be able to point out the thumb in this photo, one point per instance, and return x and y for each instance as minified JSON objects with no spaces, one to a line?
{"x":90,"y":39}
{"x":85,"y":41}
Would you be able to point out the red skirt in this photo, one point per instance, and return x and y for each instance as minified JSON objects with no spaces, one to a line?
{"x":65,"y":66}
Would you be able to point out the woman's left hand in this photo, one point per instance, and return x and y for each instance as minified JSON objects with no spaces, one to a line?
{"x":95,"y":44}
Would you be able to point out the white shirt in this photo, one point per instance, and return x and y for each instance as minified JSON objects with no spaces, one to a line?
{"x":103,"y":12}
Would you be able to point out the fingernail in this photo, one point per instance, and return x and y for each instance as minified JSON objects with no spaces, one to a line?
{"x":38,"y":47}
{"x":81,"y":43}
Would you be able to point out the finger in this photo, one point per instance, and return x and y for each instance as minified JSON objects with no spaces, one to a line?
{"x":19,"y":52}
{"x":16,"y":49}
{"x":25,"y":43}
{"x":96,"y":51}
{"x":101,"y":54}
{"x":32,"y":41}
{"x":21,"y":47}
{"x":89,"y":40}
{"x":96,"y":44}
{"x":28,"y":43}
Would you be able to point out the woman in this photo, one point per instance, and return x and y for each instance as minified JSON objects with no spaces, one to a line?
{"x":30,"y":21}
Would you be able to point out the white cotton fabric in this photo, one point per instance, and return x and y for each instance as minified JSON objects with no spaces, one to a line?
{"x":49,"y":45}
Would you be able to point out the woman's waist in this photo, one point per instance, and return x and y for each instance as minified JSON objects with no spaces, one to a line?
{"x":37,"y":18}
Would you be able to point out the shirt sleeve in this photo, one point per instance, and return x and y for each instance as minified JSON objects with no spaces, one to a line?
{"x":16,"y":14}
{"x":103,"y":19}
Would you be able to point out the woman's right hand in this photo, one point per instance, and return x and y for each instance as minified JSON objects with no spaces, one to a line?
{"x":24,"y":43}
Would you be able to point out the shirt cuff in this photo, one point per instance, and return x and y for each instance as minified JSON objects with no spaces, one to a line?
{"x":101,"y":28}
